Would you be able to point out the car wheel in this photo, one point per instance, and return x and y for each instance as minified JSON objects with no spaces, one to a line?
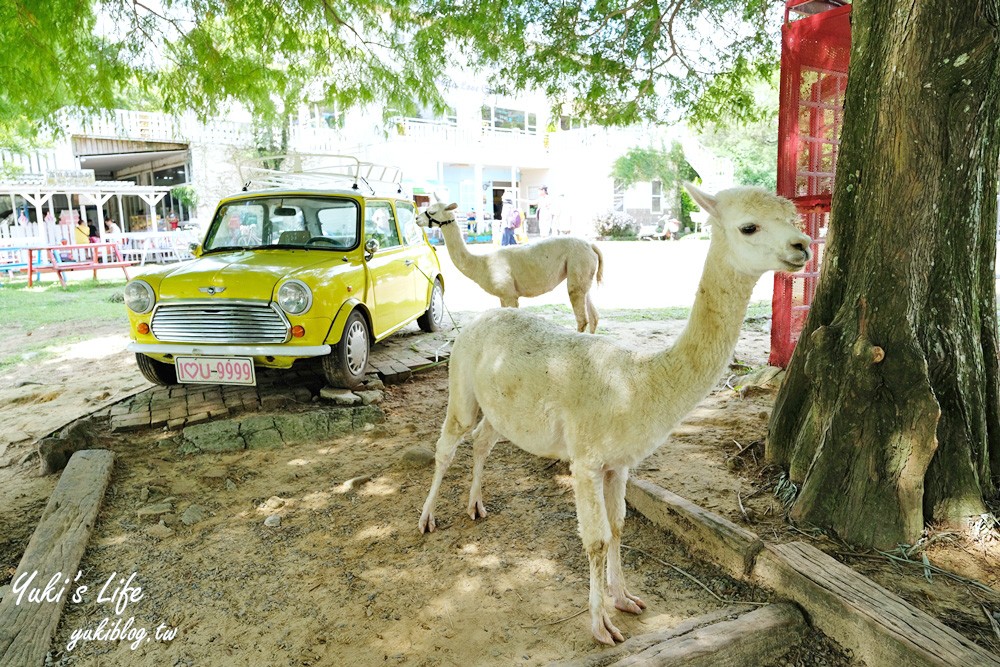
{"x":433,"y":317}
{"x":155,"y":371}
{"x":345,"y":366}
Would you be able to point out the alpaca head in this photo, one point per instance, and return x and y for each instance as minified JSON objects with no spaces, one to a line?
{"x":437,"y":214}
{"x":757,"y":229}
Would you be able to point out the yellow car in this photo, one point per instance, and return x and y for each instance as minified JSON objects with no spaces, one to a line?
{"x":285,"y":275}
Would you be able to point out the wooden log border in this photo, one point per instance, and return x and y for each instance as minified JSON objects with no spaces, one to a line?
{"x":876,"y":625}
{"x":56,"y":546}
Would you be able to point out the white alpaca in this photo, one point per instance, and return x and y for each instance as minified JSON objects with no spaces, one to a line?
{"x":601,"y":406}
{"x":530,"y":270}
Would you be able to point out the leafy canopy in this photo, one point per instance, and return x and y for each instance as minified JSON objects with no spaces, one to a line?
{"x":611,"y":61}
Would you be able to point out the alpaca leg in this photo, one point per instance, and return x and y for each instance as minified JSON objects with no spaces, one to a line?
{"x":578,"y":298}
{"x":588,"y":485}
{"x":483,"y":440}
{"x":509,"y":302}
{"x":592,"y":315}
{"x":614,"y":500}
{"x":451,"y":434}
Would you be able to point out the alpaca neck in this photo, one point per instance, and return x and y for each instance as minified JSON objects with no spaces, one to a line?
{"x":460,"y":256}
{"x":703,"y":349}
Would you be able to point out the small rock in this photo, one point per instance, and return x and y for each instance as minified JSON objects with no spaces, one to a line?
{"x":230,"y":485}
{"x":272,"y":521}
{"x":159,"y":531}
{"x":374,"y":383}
{"x":340,"y":396}
{"x":370,"y":397}
{"x":155,"y":509}
{"x":143,"y":494}
{"x":193,"y":515}
{"x":416,"y":457}
{"x":273,"y":503}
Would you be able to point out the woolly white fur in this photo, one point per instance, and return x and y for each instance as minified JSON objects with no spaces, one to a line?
{"x":602,"y":406}
{"x":526,"y":270}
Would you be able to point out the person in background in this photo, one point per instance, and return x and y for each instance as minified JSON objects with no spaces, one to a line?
{"x":507,"y":214}
{"x":81,"y":232}
{"x":111,"y":227}
{"x":543,"y":213}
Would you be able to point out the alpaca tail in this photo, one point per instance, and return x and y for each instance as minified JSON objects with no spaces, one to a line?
{"x":600,"y":263}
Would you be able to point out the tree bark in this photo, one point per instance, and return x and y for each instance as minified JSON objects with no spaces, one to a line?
{"x":889,"y":416}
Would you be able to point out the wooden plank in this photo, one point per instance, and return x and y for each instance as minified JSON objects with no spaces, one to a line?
{"x":722,"y":541}
{"x":878,"y":626}
{"x":56,"y":546}
{"x":640,"y":643}
{"x":757,"y":638}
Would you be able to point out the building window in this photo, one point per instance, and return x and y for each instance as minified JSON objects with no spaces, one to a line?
{"x":656,"y":205}
{"x":571,"y":123}
{"x":500,"y":118}
{"x":618,"y":203}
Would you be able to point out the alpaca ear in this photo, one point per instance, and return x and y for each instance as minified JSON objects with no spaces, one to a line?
{"x":451,"y":207}
{"x":437,"y":198}
{"x":706,"y":201}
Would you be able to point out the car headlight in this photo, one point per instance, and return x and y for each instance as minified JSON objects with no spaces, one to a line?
{"x":139,"y":297}
{"x":295,"y":297}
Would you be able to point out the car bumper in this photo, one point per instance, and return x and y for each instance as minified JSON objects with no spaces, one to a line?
{"x":230,"y":350}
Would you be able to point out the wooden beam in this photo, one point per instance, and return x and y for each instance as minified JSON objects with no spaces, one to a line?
{"x":722,"y":541}
{"x":639,"y":643}
{"x":877,"y":625}
{"x":57,"y":546}
{"x":757,"y":638}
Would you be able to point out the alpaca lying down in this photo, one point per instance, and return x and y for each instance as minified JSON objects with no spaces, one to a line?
{"x":599,"y":405}
{"x":529,"y":270}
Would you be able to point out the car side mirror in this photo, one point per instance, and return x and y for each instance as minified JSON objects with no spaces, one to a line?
{"x":195,"y":249}
{"x":371,"y":247}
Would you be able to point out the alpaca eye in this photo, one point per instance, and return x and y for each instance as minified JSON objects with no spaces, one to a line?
{"x":747,"y":230}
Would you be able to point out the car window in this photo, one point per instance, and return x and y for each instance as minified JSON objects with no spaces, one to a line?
{"x":237,"y":225}
{"x":262,"y":222}
{"x":380,"y":223}
{"x":412,"y":234}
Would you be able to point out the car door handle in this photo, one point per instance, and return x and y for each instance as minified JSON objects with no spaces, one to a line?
{"x":408,"y":262}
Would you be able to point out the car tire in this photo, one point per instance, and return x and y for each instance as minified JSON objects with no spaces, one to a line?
{"x":345,"y":366}
{"x":155,"y":371}
{"x":433,"y":317}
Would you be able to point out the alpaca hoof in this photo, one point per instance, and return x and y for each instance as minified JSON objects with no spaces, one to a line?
{"x":630,"y":603}
{"x":427,"y":524}
{"x":477,"y":510}
{"x":605,"y":631}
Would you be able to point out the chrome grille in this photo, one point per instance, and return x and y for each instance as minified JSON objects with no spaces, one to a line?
{"x":219,"y":322}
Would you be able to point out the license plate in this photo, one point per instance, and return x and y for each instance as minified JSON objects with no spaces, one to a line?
{"x":215,"y":370}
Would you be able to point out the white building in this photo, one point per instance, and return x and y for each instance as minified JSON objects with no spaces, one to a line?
{"x":484,"y":146}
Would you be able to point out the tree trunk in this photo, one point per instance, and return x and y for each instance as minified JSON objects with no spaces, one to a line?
{"x":889,"y":417}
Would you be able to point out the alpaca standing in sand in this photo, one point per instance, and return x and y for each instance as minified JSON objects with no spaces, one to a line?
{"x":530,"y":270}
{"x":599,"y":405}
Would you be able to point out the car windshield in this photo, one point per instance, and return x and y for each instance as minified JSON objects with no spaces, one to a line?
{"x":329,"y":223}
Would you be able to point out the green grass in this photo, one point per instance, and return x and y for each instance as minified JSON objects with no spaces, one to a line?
{"x":75,"y":308}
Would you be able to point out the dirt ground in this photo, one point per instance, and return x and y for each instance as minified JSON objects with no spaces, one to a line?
{"x":346,"y":578}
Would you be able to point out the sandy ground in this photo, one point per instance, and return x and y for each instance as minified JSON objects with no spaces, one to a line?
{"x":347,"y":579}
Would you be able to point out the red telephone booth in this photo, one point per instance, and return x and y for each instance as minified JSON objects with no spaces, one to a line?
{"x":815,"y":49}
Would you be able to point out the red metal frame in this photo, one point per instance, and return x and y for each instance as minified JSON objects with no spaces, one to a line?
{"x":815,"y":50}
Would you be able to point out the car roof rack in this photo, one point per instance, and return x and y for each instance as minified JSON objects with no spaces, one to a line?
{"x":321,"y":171}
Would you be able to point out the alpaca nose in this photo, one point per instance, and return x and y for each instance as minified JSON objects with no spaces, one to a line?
{"x":802,"y":245}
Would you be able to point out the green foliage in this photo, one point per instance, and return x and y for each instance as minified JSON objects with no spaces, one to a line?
{"x":186,"y":195}
{"x":615,"y":62}
{"x":610,"y":61}
{"x":752,"y":146}
{"x":641,"y":165}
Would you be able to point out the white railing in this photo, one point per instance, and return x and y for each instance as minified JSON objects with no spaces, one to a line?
{"x":154,"y":247}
